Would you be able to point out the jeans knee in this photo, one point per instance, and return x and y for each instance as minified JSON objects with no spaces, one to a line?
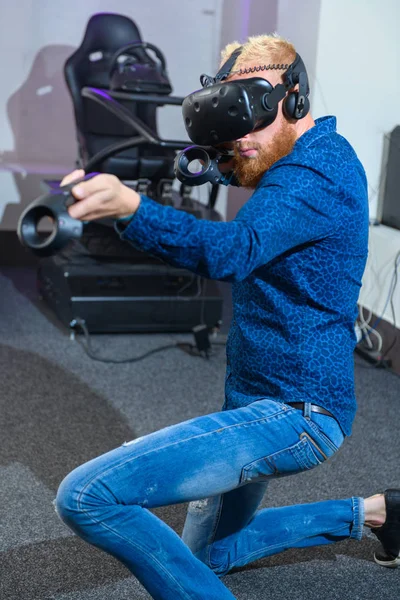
{"x":65,"y":502}
{"x":219,"y":561}
{"x":71,"y":502}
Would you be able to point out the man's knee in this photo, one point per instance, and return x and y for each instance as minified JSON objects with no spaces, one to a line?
{"x":216,"y":558}
{"x":76,"y":496}
{"x":219,"y":560}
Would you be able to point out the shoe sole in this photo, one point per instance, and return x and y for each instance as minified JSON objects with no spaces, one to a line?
{"x":388,"y":562}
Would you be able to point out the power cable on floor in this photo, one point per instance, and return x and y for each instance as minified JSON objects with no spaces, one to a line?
{"x":189,"y":348}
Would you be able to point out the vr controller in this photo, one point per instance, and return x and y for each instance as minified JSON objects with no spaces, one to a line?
{"x":54,"y":207}
{"x":207,"y":157}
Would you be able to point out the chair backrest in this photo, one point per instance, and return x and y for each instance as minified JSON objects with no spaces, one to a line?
{"x":97,"y":128}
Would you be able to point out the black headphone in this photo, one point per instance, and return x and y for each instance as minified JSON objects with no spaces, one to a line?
{"x":296,"y":105}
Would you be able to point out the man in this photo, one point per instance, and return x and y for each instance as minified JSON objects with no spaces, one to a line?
{"x":295,"y":255}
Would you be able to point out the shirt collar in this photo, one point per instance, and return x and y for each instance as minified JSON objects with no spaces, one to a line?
{"x":323,"y":126}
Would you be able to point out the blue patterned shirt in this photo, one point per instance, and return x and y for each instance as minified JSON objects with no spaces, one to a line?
{"x":295,"y":254}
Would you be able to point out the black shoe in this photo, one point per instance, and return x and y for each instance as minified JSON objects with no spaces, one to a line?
{"x":389,"y":533}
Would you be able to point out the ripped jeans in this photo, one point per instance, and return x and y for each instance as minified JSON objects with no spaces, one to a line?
{"x":221,"y":464}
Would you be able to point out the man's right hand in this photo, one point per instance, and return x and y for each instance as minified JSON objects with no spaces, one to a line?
{"x":102,"y":196}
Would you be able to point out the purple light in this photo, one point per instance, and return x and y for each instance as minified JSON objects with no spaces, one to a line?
{"x":245,"y":18}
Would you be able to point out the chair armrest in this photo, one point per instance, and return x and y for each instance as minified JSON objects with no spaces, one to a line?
{"x":102,"y":97}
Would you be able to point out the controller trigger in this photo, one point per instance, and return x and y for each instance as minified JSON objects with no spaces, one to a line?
{"x":70,"y":200}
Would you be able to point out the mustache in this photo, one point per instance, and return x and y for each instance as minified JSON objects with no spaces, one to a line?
{"x":246,"y":146}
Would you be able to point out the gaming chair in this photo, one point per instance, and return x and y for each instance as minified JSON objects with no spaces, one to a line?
{"x":97,"y":127}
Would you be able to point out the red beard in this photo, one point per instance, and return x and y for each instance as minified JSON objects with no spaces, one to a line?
{"x":249,"y":170}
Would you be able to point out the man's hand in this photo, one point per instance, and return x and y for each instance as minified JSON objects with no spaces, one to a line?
{"x":226,"y":162}
{"x":226,"y":165}
{"x":102,"y":196}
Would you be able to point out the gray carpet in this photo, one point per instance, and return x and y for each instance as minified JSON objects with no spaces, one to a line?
{"x":59,"y":408}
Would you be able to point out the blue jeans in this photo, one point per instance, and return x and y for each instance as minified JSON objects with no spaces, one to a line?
{"x":221,"y":464}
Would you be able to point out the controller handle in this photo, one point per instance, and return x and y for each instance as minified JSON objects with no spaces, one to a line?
{"x":209,"y":167}
{"x":53,"y":205}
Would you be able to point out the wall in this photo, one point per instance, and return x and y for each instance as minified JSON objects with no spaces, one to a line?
{"x":357,"y":80}
{"x":384,"y":246}
{"x":357,"y":66}
{"x":299,"y":23}
{"x":37,"y":132}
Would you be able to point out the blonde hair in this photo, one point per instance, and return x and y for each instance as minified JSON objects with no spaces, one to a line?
{"x":260,"y":50}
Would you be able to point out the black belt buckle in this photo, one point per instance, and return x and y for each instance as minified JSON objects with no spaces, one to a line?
{"x":314,"y":408}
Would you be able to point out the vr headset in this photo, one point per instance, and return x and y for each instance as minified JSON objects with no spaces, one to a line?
{"x":224,"y":112}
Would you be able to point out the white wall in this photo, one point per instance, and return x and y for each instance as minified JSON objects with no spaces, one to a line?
{"x":37,"y":131}
{"x":298,"y":22}
{"x":384,"y":244}
{"x":357,"y":79}
{"x":358,"y":76}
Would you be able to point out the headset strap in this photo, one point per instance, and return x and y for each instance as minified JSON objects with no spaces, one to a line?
{"x":295,"y":74}
{"x":227,"y":66}
{"x":207,"y":80}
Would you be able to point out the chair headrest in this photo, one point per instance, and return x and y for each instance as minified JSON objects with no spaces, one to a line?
{"x":108,"y":31}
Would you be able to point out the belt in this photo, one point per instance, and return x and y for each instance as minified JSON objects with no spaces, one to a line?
{"x":314,"y":408}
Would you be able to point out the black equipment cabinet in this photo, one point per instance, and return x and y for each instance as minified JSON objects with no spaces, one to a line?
{"x":390,"y":198}
{"x":118,"y":297}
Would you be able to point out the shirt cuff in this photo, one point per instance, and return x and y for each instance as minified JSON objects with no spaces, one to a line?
{"x":148,"y":222}
{"x":229,"y":179}
{"x":122,"y":223}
